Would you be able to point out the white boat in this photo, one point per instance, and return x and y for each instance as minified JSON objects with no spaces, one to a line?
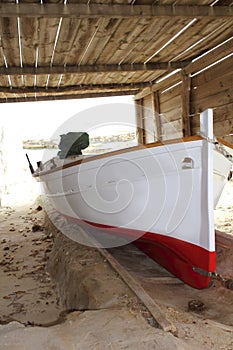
{"x":160,"y":195}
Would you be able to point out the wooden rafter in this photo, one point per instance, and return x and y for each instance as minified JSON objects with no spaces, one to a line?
{"x":102,"y":68}
{"x":109,"y":10}
{"x":55,"y":97}
{"x":73,"y":88}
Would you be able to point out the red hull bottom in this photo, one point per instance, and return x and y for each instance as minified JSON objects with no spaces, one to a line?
{"x":177,"y":256}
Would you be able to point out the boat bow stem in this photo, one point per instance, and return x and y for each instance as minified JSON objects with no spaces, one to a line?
{"x":226,"y":282}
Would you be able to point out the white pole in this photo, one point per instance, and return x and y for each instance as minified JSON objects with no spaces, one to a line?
{"x":206,"y":123}
{"x":206,"y":129}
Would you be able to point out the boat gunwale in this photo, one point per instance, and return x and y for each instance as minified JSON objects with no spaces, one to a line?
{"x":117,"y":152}
{"x":224,"y":143}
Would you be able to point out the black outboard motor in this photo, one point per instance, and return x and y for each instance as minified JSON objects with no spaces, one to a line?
{"x":72,"y":143}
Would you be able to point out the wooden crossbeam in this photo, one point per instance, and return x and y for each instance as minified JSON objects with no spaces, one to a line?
{"x":102,"y":68}
{"x":73,"y":89}
{"x":78,"y":10}
{"x":64,"y":96}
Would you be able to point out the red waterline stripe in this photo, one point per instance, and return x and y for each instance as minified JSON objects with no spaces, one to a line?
{"x":177,"y":256}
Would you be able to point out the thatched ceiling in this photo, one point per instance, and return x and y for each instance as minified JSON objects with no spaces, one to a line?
{"x":51,"y":50}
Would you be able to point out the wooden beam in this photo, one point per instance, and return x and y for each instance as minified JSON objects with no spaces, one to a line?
{"x":185,"y":100}
{"x":145,"y":92}
{"x":160,"y":86}
{"x":101,"y":68}
{"x":153,"y":306}
{"x":156,"y":111}
{"x":139,"y":121}
{"x":72,"y":89}
{"x":65,"y":96}
{"x":78,"y":10}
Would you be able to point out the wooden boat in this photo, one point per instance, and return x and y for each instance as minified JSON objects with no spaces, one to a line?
{"x":161,"y":195}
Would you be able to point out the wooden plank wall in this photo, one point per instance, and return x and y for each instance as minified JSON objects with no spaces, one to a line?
{"x":179,"y":99}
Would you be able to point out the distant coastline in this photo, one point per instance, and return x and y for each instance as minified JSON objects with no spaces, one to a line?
{"x":53,"y":144}
{"x":40,"y":144}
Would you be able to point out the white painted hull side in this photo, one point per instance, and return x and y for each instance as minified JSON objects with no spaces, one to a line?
{"x":146,"y":190}
{"x":165,"y":191}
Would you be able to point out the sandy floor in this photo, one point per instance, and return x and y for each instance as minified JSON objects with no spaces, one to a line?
{"x":224,"y":212}
{"x":27,"y":293}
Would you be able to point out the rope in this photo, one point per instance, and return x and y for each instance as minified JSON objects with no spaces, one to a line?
{"x":226,"y":282}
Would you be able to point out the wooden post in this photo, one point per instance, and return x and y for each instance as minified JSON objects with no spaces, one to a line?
{"x":156,"y":113}
{"x":139,"y":122}
{"x":185,"y":97}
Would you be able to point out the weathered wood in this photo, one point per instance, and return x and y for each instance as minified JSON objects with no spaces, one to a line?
{"x":156,"y":109}
{"x":162,"y":280}
{"x":139,"y":122}
{"x":10,"y":41}
{"x":144,"y":92}
{"x":173,"y":104}
{"x":223,"y":128}
{"x":210,"y":57}
{"x":101,"y":40}
{"x":167,"y":95}
{"x":223,"y":113}
{"x":160,"y":86}
{"x":223,"y":239}
{"x":108,"y":10}
{"x":213,"y":87}
{"x":220,"y":115}
{"x":172,"y":115}
{"x":100,"y":68}
{"x":148,"y":120}
{"x":228,"y":138}
{"x":140,"y":292}
{"x":151,"y":39}
{"x":219,"y":99}
{"x":172,"y":130}
{"x":199,"y":38}
{"x":130,"y":30}
{"x":218,"y":70}
{"x":53,"y":97}
{"x":185,"y":101}
{"x":45,"y":39}
{"x":119,"y":87}
{"x":2,"y":62}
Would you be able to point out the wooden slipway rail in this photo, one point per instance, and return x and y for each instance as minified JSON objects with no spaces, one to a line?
{"x":141,"y":293}
{"x":122,"y":259}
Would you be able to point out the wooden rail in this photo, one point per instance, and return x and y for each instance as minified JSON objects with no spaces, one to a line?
{"x":78,"y":10}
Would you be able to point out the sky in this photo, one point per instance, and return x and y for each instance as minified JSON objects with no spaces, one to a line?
{"x":35,"y":120}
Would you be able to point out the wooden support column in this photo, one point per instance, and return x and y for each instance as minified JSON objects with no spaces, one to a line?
{"x":139,"y":122}
{"x":156,"y":112}
{"x":185,"y":97}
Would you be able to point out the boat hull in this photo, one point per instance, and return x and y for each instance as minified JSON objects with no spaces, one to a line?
{"x":160,"y":197}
